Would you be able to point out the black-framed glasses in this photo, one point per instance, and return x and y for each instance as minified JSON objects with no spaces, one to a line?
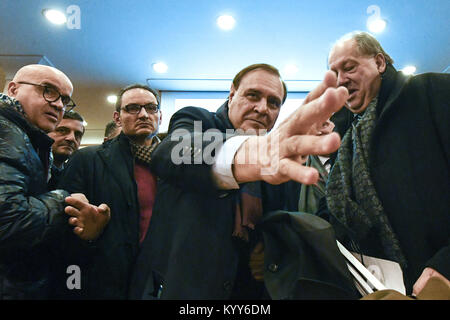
{"x":135,"y":108}
{"x":50,"y":94}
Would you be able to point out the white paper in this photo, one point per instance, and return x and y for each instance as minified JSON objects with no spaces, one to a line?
{"x":387,"y":272}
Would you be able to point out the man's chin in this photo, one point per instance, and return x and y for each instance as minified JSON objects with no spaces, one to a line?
{"x":142,"y":134}
{"x":255,"y":126}
{"x":63,"y":152}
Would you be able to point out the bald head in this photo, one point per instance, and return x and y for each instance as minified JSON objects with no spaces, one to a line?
{"x":37,"y":72}
{"x":28,"y":87}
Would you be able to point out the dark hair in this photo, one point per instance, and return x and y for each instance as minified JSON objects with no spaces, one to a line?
{"x":73,"y":115}
{"x":135,"y":86}
{"x":110,"y":127}
{"x":367,"y":45}
{"x":267,"y":67}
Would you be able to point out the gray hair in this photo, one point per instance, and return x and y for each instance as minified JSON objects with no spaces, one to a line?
{"x":366,"y":44}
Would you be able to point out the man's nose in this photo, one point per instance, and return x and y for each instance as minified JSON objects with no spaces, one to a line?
{"x":143,"y":113}
{"x":342,"y":79}
{"x":71,"y":137}
{"x":261,"y":106}
{"x":58,"y":104}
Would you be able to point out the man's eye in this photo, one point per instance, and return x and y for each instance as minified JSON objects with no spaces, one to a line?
{"x":51,"y":92}
{"x":349,"y":68}
{"x":62,"y":130}
{"x":274,"y":104}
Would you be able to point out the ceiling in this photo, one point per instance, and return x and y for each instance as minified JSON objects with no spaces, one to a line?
{"x":118,"y":41}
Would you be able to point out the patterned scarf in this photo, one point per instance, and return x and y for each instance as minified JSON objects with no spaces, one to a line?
{"x":13,"y":103}
{"x":44,"y":153}
{"x":351,"y":195}
{"x":143,"y":153}
{"x":248,"y":209}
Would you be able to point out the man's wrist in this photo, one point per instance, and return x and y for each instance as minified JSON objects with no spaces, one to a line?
{"x":246,"y":165}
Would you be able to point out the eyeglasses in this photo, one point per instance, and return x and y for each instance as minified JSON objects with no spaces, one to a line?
{"x":135,"y":108}
{"x":50,"y":94}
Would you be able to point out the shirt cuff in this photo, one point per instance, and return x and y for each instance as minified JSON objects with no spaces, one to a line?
{"x":222,"y":168}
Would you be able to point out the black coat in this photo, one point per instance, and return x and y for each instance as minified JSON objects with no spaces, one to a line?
{"x":410,"y":167}
{"x":32,"y":220}
{"x":192,"y":224}
{"x":105,"y":174}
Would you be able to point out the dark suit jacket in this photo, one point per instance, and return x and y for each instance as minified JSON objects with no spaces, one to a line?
{"x":410,"y":167}
{"x":105,"y":174}
{"x":192,"y":224}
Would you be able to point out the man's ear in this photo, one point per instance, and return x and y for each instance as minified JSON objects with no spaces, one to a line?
{"x":232,"y":93}
{"x":381,"y":62}
{"x":116,"y":117}
{"x":160,"y":117}
{"x":12,"y":89}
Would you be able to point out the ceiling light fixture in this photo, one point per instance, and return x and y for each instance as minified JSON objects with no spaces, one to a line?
{"x":376,"y":25}
{"x":409,"y":70}
{"x":160,"y":67}
{"x":226,"y":22}
{"x":290,"y":69}
{"x":84,"y":123}
{"x":54,"y":16}
{"x":111,"y":98}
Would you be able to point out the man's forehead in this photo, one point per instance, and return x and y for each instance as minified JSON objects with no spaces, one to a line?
{"x":136,"y":94}
{"x":343,"y":51}
{"x":66,"y":122}
{"x":45,"y":75}
{"x":260,"y":79}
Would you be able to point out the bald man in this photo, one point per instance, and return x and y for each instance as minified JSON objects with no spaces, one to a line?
{"x":33,"y":219}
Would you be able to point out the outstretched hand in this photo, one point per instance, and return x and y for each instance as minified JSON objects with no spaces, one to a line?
{"x":426,"y":275}
{"x":88,"y":220}
{"x":279,"y":156}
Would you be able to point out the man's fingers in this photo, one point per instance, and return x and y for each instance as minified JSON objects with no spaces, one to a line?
{"x":317,"y":111}
{"x":80,"y":196}
{"x":74,"y":221}
{"x":322,"y":108}
{"x":71,"y":211}
{"x":329,"y":81}
{"x":76,"y":202}
{"x":78,"y":231}
{"x":103,"y":209}
{"x":293,"y":170}
{"x":305,"y":145}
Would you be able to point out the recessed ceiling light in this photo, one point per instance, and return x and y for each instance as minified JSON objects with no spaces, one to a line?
{"x":290,"y":69}
{"x":226,"y":22}
{"x":160,"y":67}
{"x":376,"y":25}
{"x":409,"y":70}
{"x":111,"y":99}
{"x":84,"y":123}
{"x":54,"y":16}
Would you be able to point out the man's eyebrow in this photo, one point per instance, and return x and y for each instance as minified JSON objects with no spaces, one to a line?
{"x":253,"y":90}
{"x":48,"y":84}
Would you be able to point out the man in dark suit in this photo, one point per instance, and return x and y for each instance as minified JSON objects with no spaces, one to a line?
{"x":32,"y":218}
{"x":210,"y":197}
{"x":67,"y":138}
{"x":118,"y":173}
{"x":389,"y":187}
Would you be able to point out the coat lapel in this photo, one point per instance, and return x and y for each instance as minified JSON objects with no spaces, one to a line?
{"x":118,"y":164}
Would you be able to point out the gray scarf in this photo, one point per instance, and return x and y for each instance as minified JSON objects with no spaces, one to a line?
{"x":351,"y":195}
